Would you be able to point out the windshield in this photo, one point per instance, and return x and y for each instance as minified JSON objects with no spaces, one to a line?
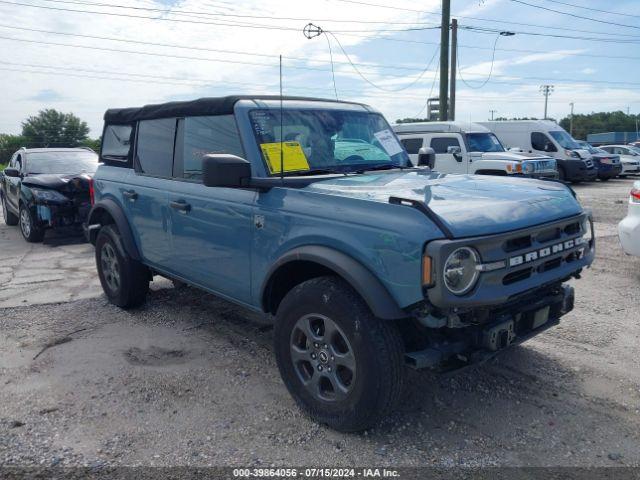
{"x":565,"y":140}
{"x":484,"y":142}
{"x":325,"y":140}
{"x":62,"y":162}
{"x":634,"y":149}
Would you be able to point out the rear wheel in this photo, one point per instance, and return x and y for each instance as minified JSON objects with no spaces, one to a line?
{"x":125,"y":281}
{"x":343,"y":366}
{"x":30,"y":230}
{"x":10,"y":219}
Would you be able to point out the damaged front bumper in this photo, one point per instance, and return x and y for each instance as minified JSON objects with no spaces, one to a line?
{"x":512,"y":324}
{"x":60,"y":215}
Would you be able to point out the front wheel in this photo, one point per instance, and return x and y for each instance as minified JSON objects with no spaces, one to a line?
{"x":31,"y":232}
{"x":343,"y":366}
{"x":125,"y":281}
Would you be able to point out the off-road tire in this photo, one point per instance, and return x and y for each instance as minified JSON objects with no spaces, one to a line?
{"x":30,"y":231}
{"x":377,"y":348}
{"x":133,"y":277}
{"x":10,"y":219}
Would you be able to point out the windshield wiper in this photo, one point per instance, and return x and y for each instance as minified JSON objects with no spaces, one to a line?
{"x":386,"y":166}
{"x":318,"y":171}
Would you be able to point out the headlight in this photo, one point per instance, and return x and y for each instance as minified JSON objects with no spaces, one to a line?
{"x":572,"y":154}
{"x":48,"y":195}
{"x":587,"y":236}
{"x":460,"y":270}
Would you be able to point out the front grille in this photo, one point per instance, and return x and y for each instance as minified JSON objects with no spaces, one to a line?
{"x":544,"y":165}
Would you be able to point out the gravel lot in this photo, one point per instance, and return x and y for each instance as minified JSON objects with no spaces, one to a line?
{"x":191,"y":380}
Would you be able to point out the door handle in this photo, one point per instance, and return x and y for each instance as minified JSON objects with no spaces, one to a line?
{"x":130,"y":195}
{"x":181,"y":206}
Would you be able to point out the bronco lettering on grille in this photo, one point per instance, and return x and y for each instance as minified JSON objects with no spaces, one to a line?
{"x":545,"y":252}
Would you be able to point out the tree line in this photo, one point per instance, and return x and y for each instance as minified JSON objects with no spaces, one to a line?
{"x":48,"y":129}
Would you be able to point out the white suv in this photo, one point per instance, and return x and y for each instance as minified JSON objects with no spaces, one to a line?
{"x":462,"y":147}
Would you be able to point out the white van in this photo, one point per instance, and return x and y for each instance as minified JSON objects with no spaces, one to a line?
{"x":462,"y":147}
{"x":548,"y":138}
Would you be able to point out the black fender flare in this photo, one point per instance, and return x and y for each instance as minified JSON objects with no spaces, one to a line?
{"x":120,"y":219}
{"x":363,"y":281}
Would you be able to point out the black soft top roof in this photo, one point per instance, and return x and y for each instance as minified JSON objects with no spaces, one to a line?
{"x":201,"y":106}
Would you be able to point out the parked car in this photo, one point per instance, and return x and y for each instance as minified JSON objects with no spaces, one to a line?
{"x":629,"y":157}
{"x":461,"y":147}
{"x":629,"y":227}
{"x":608,"y":164}
{"x":366,"y":266}
{"x":45,"y":188}
{"x":546,"y":137}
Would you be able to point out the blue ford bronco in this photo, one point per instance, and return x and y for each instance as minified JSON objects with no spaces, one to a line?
{"x":310,"y":212}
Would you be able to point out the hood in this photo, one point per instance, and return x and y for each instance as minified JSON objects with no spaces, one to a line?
{"x":60,"y":182}
{"x":470,"y":205}
{"x":513,"y":156}
{"x":584,"y":154}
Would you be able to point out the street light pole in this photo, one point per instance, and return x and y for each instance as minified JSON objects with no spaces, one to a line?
{"x":571,"y":120}
{"x":492,"y":112}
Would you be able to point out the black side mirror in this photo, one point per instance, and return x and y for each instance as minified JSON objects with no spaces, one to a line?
{"x":11,"y":172}
{"x":426,"y":157}
{"x":222,"y":170}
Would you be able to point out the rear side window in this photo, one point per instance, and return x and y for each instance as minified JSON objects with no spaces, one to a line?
{"x":116,"y":142}
{"x":440,"y":144}
{"x":207,"y":135}
{"x":154,"y":146}
{"x":411,"y":145}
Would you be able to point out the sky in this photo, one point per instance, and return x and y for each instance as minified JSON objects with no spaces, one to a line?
{"x":154,"y":51}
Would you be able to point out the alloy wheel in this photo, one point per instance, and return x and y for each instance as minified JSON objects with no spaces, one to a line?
{"x":323,"y":358}
{"x":25,"y":222}
{"x":110,"y":266}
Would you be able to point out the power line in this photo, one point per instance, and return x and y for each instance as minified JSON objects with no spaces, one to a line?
{"x":190,"y":12}
{"x":206,"y":49}
{"x":394,"y":7}
{"x":574,"y":15}
{"x":180,"y":20}
{"x":493,"y":57}
{"x":416,"y":80}
{"x":633,"y":41}
{"x":594,"y":9}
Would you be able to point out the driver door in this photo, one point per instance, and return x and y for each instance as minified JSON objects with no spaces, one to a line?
{"x":450,"y":153}
{"x":13,"y":183}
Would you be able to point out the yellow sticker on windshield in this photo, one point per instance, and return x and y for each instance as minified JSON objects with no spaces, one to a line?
{"x":293,"y":157}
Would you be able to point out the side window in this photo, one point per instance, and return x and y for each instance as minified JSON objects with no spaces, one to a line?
{"x":116,"y":142}
{"x":18,"y":162}
{"x":412,"y":145}
{"x":539,"y":141}
{"x":203,"y":136}
{"x":440,"y":144}
{"x":154,"y":146}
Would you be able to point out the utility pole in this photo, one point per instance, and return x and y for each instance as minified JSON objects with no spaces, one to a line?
{"x":492,"y":112}
{"x":454,"y":60}
{"x":571,"y":120}
{"x":546,"y":90}
{"x":444,"y":60}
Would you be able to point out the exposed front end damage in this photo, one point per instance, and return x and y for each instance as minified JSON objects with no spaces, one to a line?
{"x":58,"y":202}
